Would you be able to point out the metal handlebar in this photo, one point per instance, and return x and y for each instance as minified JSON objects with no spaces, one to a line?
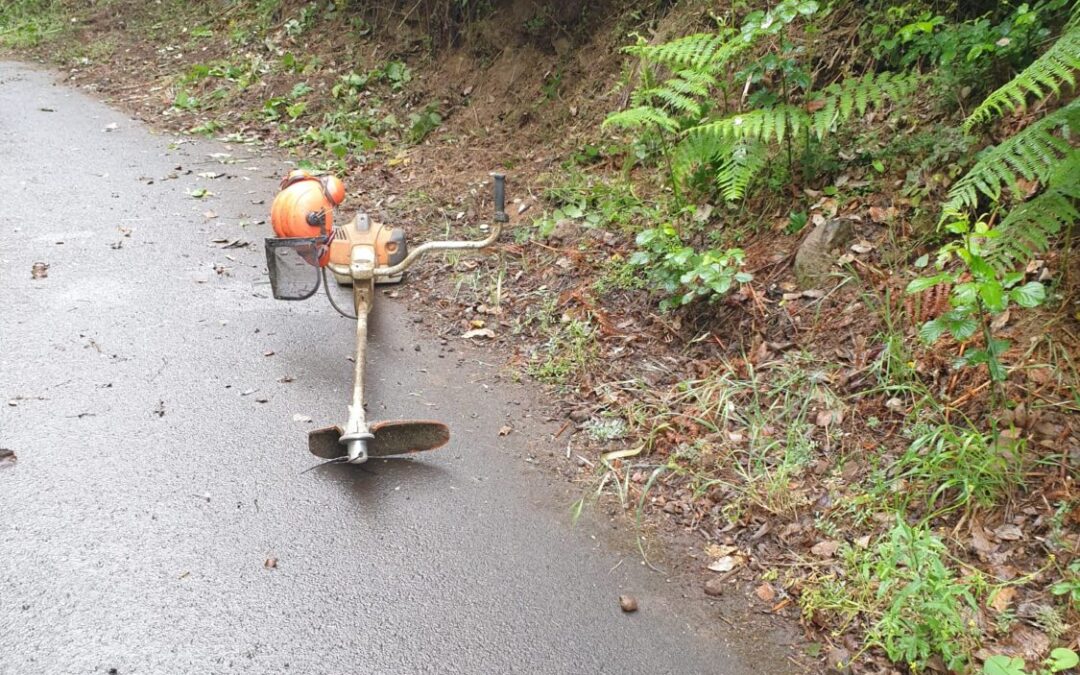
{"x":428,"y":247}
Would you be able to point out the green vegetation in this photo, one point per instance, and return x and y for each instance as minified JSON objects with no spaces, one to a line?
{"x":891,"y":443}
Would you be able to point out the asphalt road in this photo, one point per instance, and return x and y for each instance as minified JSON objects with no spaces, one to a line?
{"x":152,"y":484}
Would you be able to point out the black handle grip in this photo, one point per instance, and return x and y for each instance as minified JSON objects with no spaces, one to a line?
{"x":500,"y":197}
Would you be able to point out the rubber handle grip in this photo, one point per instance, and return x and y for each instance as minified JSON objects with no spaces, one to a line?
{"x":500,"y":197}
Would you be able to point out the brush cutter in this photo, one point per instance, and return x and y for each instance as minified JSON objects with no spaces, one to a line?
{"x":361,"y":254}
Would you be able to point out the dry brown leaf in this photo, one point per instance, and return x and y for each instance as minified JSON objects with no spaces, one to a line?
{"x":1001,"y":600}
{"x":825,"y":549}
{"x":765,"y":592}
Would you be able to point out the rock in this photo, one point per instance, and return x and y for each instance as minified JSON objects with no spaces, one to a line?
{"x":565,"y":230}
{"x":714,"y":587}
{"x":628,"y":603}
{"x":838,"y":661}
{"x":818,"y":253}
{"x":580,"y":415}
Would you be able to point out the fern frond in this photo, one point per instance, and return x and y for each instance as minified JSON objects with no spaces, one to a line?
{"x":740,"y":164}
{"x":1029,"y":227}
{"x":700,"y":51}
{"x":698,"y":151}
{"x":762,"y":124}
{"x":1031,"y":154}
{"x":676,"y":101}
{"x":1044,"y":76}
{"x":641,"y":116}
{"x":840,"y":100}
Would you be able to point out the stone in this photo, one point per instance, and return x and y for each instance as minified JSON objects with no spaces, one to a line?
{"x":818,"y":253}
{"x":714,"y":587}
{"x":565,"y":230}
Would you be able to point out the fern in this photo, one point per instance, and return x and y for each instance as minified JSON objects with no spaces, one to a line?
{"x":839,"y":100}
{"x":642,"y":116}
{"x":1031,"y":154}
{"x":748,"y":132}
{"x":1045,"y":75}
{"x":1029,"y":227}
{"x":739,"y":165}
{"x":700,"y":51}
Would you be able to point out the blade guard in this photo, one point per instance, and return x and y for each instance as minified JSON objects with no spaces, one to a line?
{"x":398,"y":437}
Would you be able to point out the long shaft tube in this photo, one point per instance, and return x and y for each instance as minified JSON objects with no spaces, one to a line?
{"x":356,"y":433}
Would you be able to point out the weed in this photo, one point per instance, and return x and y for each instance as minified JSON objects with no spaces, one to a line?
{"x":27,"y":23}
{"x":915,"y":606}
{"x":1069,"y":587}
{"x":617,"y":274}
{"x":423,"y":123}
{"x":950,"y":467}
{"x":683,"y":273}
{"x":571,"y":346}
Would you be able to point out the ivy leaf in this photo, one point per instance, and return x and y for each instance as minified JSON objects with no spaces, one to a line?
{"x":1062,"y":659}
{"x":999,"y":664}
{"x":1031,"y":294}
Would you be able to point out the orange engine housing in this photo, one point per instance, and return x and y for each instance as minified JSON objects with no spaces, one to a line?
{"x":303,"y":197}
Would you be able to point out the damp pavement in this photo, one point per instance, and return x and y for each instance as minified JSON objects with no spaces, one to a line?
{"x":157,"y":517}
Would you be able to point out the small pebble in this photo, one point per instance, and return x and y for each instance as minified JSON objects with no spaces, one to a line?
{"x":628,"y":603}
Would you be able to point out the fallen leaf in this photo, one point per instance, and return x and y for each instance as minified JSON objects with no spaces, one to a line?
{"x":479,"y":333}
{"x":210,"y":215}
{"x":979,"y":541}
{"x":476,"y":323}
{"x":880,"y":215}
{"x":726,"y":564}
{"x":825,"y":549}
{"x":765,"y":592}
{"x":1009,"y":532}
{"x":828,"y":417}
{"x":714,"y":550}
{"x":1001,"y":599}
{"x":862,"y":247}
{"x":1032,"y":643}
{"x":505,"y":430}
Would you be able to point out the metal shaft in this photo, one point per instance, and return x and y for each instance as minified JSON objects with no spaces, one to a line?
{"x":356,"y":433}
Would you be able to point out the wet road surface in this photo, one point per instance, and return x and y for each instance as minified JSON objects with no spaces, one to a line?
{"x":159,"y":461}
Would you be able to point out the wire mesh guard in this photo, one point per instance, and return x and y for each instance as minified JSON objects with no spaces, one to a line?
{"x":293,"y":264}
